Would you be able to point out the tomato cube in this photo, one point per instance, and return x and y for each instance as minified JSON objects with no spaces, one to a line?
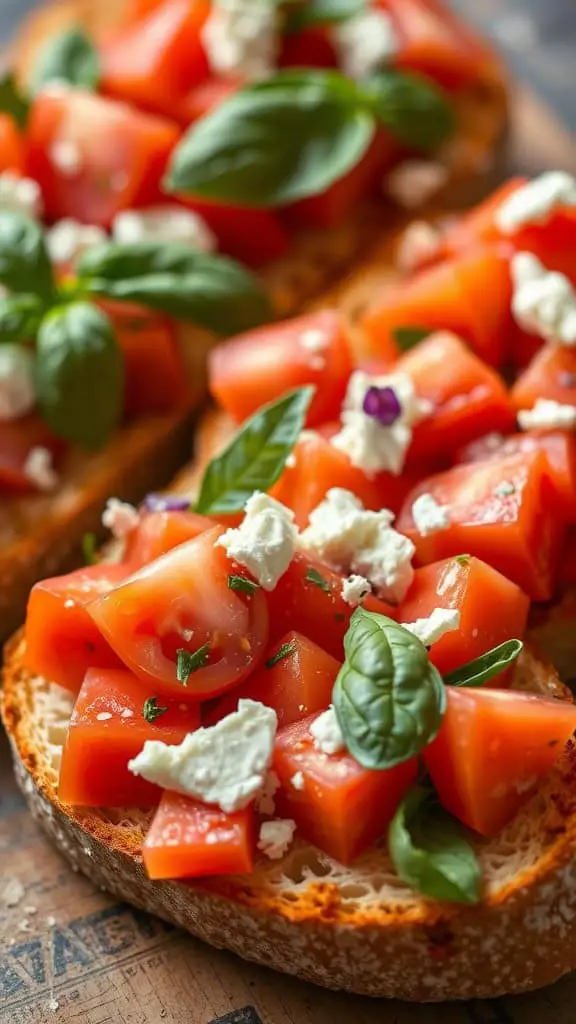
{"x":159,"y":532}
{"x":551,"y":374}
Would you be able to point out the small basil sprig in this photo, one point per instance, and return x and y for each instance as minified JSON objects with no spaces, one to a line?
{"x":407,"y":337}
{"x":20,"y":317}
{"x":321,"y":12}
{"x":430,"y":851}
{"x":256,"y":456}
{"x":13,"y":101}
{"x":70,"y":57}
{"x":488,"y":665}
{"x":24,"y":262}
{"x":414,"y":109}
{"x":388,"y":696}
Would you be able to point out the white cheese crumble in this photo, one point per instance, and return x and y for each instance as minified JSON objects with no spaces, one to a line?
{"x":354,"y":588}
{"x":368,"y":444}
{"x":356,"y":540}
{"x":242,"y":38}
{"x":548,"y":415}
{"x":276,"y":837}
{"x":364,"y":42}
{"x":543,"y":302}
{"x":17,"y":392}
{"x":224,"y":764}
{"x":428,"y":515}
{"x":433,"y":628}
{"x":419,"y":243}
{"x":20,"y":195}
{"x":298,"y":781}
{"x":413,"y":183}
{"x":39,"y":469}
{"x":537,"y":201}
{"x":68,"y":239}
{"x":264,"y":542}
{"x":326,"y":733}
{"x":167,"y":223}
{"x":265,"y":803}
{"x":313,"y":340}
{"x":66,"y":157}
{"x":120,"y":517}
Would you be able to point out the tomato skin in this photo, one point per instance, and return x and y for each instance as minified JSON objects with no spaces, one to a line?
{"x":107,"y":729}
{"x":160,"y":532}
{"x":205,"y":98}
{"x":257,"y":367}
{"x":309,"y":48}
{"x":551,"y":374}
{"x":62,"y":642}
{"x":492,"y":749}
{"x":254,"y":237}
{"x":12,"y":146}
{"x":492,"y":609}
{"x":518,"y":533}
{"x":17,"y":439}
{"x":182,"y":601}
{"x":343,"y":807}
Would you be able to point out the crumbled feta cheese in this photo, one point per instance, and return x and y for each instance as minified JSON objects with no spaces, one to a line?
{"x":313,"y":340}
{"x":291,"y":461}
{"x":428,"y":515}
{"x":354,"y":588}
{"x":368,"y":444}
{"x":265,"y":803}
{"x":537,"y":201}
{"x":419,"y":243}
{"x":39,"y":469}
{"x":224,"y":764}
{"x":66,"y":157}
{"x":120,"y":517}
{"x":17,"y":392}
{"x":276,"y":837}
{"x":413,"y":183}
{"x":543,"y":302}
{"x":355,"y":540}
{"x":364,"y":42}
{"x":433,"y":628}
{"x":504,"y":489}
{"x":20,"y":195}
{"x":548,"y":415}
{"x":168,"y":223}
{"x":298,"y":781}
{"x":242,"y":38}
{"x":265,"y":540}
{"x":68,"y":239}
{"x":326,"y":733}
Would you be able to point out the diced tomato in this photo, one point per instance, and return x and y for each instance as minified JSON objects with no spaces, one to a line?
{"x":120,"y":152}
{"x":204,"y":98}
{"x":310,"y":48}
{"x":568,"y":558}
{"x":107,"y":729}
{"x":341,"y":807}
{"x":469,"y":295}
{"x":182,"y":601}
{"x":12,"y":146}
{"x":158,"y":59}
{"x":254,"y":237}
{"x":502,"y":511}
{"x":477,"y":227}
{"x":259,"y":366}
{"x":551,"y":374}
{"x":17,"y":439}
{"x":62,"y":642}
{"x":188,"y":839}
{"x":315,"y":606}
{"x":492,"y":749}
{"x":160,"y":532}
{"x":468,"y":398}
{"x":492,"y":608}
{"x":296,"y":685}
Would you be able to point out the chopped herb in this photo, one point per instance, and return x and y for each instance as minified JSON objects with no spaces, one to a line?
{"x":504,"y":489}
{"x":312,"y":576}
{"x":463,"y":559}
{"x":281,"y":653}
{"x":89,"y":544}
{"x":407,"y":337}
{"x":246,"y":586}
{"x":151,"y":711}
{"x":190,"y":661}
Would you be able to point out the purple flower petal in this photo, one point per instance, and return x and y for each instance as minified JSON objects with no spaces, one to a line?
{"x":166,"y":503}
{"x":383,"y":405}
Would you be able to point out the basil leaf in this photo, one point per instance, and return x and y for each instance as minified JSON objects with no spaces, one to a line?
{"x":488,"y":665}
{"x":430,"y":852}
{"x":275,"y":142}
{"x":388,"y":697}
{"x":256,"y":456}
{"x":209,"y":290}
{"x":24,"y":263}
{"x":12,"y":101}
{"x":416,"y":111}
{"x":407,"y":337}
{"x":79,"y":374}
{"x":20,"y":317}
{"x":152,"y":710}
{"x":322,"y":12}
{"x":70,"y":57}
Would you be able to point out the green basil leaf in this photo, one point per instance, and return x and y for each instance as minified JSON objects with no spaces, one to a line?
{"x":430,"y":851}
{"x":488,"y":665}
{"x":79,"y":374}
{"x":90,"y":548}
{"x":313,"y":576}
{"x":24,"y":263}
{"x":407,"y":337}
{"x":20,"y":317}
{"x":388,"y":696}
{"x":256,"y":456}
{"x":322,"y":12}
{"x":206,"y":289}
{"x":283,"y":652}
{"x":416,"y":111}
{"x":70,"y":57}
{"x":12,"y":101}
{"x":275,"y":142}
